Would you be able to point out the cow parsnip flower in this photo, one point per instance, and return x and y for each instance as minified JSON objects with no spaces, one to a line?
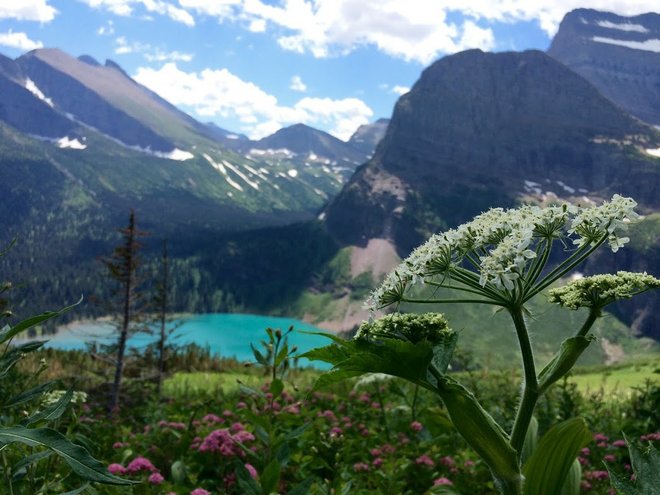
{"x":500,"y":246}
{"x":410,"y":327}
{"x":600,"y":290}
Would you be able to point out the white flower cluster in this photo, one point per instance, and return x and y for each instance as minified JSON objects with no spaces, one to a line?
{"x":54,"y":397}
{"x":502,"y":242}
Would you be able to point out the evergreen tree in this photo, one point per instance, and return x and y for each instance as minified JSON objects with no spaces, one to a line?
{"x":122,"y":266}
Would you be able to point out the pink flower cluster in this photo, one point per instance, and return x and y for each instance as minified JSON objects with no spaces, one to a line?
{"x":172,"y":425}
{"x":137,"y":465}
{"x":225,"y":441}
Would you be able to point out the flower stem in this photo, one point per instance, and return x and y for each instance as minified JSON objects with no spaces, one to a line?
{"x":530,"y":389}
{"x":594,"y":313}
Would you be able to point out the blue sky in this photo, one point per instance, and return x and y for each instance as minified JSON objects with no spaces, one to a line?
{"x":254,"y":66}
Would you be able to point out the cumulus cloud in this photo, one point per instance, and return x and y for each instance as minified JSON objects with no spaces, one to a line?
{"x":160,"y":7}
{"x":219,"y":93}
{"x":19,"y":41}
{"x":27,"y":10}
{"x":419,"y":30}
{"x":150,"y":53}
{"x":399,"y":90}
{"x":297,"y":84}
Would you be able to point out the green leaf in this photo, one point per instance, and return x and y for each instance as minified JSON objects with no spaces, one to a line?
{"x":569,"y":352}
{"x":480,"y":430}
{"x":282,"y":354}
{"x":9,"y":332}
{"x":270,"y":477}
{"x":247,"y":484}
{"x":276,"y":387}
{"x":77,"y":457}
{"x":646,"y":466}
{"x":31,"y":394}
{"x":531,"y":440}
{"x":258,"y":356}
{"x":572,"y":482}
{"x":10,"y":358}
{"x":52,"y":412}
{"x":547,"y":468}
{"x":301,"y":488}
{"x":390,"y":356}
{"x":20,"y":468}
{"x":78,"y":490}
{"x":443,"y":350}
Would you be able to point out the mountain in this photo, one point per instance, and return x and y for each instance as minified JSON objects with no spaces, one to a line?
{"x":619,"y":55}
{"x":479,"y":130}
{"x":309,"y":147}
{"x":367,"y":136}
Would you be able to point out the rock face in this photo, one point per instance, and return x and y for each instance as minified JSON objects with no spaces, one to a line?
{"x":480,"y":130}
{"x":367,"y":136}
{"x":619,"y":55}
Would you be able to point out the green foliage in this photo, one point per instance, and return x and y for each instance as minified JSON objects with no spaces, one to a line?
{"x":646,"y":468}
{"x":547,"y":468}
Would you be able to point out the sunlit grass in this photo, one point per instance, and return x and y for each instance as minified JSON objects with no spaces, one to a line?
{"x":618,"y":380}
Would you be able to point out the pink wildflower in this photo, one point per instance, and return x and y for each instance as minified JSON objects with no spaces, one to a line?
{"x":116,"y":469}
{"x":619,"y":443}
{"x":251,"y":470}
{"x":447,"y":461}
{"x":377,"y":462}
{"x":140,"y":464}
{"x":424,"y":460}
{"x":599,"y":437}
{"x":213,"y":418}
{"x":119,"y":445}
{"x":442,"y":482}
{"x":156,"y":479}
{"x":200,"y":491}
{"x":416,"y":426}
{"x":360,"y":467}
{"x":609,"y":458}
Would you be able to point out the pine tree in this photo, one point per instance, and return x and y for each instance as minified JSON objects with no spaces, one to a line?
{"x":122,"y":266}
{"x":162,"y":302}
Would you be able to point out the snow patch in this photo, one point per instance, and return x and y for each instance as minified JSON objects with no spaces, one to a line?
{"x":34,"y":89}
{"x":566,"y":188}
{"x":652,"y":45}
{"x":218,"y":166}
{"x":73,"y":144}
{"x":532,"y":187}
{"x":176,"y":154}
{"x":232,"y":136}
{"x":253,"y":185}
{"x":280,"y":152}
{"x":655,"y":152}
{"x":292,"y":173}
{"x":628,"y":26}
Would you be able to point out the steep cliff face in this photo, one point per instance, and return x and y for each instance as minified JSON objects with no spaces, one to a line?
{"x":619,"y":55}
{"x":480,"y":130}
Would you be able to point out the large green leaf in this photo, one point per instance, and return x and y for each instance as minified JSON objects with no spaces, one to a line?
{"x":31,"y":394}
{"x":562,"y":362}
{"x":77,"y":457}
{"x":480,"y":430}
{"x":270,"y":477}
{"x":573,"y":478}
{"x":531,"y":440}
{"x":9,"y":332}
{"x":547,"y":468}
{"x":390,"y":356}
{"x":646,"y":466}
{"x":11,"y":357}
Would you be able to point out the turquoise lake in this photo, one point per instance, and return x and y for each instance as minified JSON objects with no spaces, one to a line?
{"x":227,"y":335}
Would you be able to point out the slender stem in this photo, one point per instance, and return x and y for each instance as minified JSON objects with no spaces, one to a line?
{"x":469,"y":278}
{"x":530,"y":388}
{"x":445,"y":301}
{"x":455,"y":287}
{"x":7,"y":473}
{"x":540,"y":263}
{"x":594,"y":313}
{"x":574,"y":260}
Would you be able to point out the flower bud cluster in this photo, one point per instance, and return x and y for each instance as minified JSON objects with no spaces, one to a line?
{"x":499,"y":244}
{"x":431,"y":327}
{"x":600,"y":290}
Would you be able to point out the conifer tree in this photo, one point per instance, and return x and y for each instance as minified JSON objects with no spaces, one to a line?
{"x":122,"y":266}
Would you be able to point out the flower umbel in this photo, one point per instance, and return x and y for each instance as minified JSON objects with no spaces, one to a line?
{"x":600,"y":290}
{"x":414,"y":328}
{"x":501,"y":254}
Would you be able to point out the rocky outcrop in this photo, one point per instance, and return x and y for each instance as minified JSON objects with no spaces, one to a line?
{"x":619,"y":55}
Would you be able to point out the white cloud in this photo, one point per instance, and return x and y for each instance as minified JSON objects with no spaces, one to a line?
{"x":399,"y":90}
{"x":107,"y":30}
{"x":123,"y":46}
{"x":19,"y":41}
{"x":127,"y":7}
{"x":419,"y":30}
{"x":27,"y":10}
{"x":297,"y":84}
{"x":219,"y":93}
